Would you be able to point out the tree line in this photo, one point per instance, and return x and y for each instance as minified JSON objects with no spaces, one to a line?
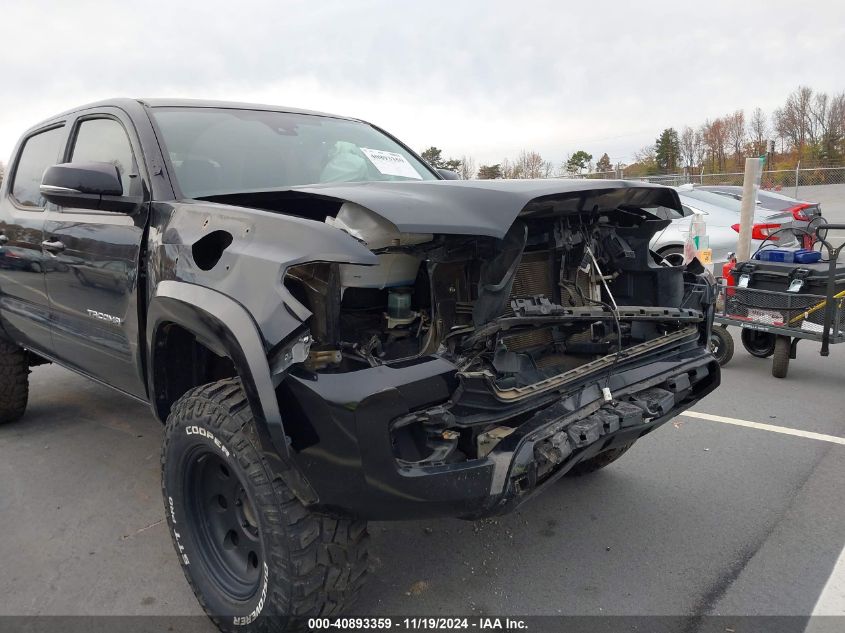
{"x":808,"y":127}
{"x":528,"y":164}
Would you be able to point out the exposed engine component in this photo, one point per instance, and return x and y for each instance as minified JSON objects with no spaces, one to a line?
{"x":557,"y":292}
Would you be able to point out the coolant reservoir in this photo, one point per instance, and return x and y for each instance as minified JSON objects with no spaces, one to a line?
{"x":393,"y":269}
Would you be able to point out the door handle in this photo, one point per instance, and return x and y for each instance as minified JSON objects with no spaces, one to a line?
{"x":53,"y":246}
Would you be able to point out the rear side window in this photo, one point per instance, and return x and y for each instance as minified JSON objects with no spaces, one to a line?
{"x":105,"y":141}
{"x":39,"y":152}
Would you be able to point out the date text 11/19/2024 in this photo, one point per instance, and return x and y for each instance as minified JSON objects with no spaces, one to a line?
{"x":418,"y":624}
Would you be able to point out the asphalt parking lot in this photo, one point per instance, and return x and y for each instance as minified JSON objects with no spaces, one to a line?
{"x":701,"y":517}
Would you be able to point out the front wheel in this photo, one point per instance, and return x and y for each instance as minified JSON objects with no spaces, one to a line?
{"x":253,"y":554}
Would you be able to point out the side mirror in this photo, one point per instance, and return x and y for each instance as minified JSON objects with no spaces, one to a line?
{"x":448,"y":174}
{"x":87,"y":185}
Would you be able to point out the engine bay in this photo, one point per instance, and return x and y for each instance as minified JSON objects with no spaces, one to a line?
{"x":557,"y":292}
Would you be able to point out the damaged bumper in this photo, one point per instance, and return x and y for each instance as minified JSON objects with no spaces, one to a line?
{"x":346,"y":443}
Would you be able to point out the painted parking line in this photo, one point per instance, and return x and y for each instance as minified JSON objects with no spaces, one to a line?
{"x":831,"y":601}
{"x":832,"y":598}
{"x":765,"y":427}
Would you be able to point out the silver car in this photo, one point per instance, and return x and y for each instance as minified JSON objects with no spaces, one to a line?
{"x":721,"y":216}
{"x":803,"y":212}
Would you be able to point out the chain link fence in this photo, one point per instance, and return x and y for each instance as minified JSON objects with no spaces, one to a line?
{"x":824,"y":184}
{"x":786,"y":180}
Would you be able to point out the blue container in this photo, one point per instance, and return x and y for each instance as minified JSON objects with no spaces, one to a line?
{"x":788,"y":255}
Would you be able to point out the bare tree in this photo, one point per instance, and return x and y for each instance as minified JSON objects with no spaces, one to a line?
{"x":645,"y":154}
{"x":829,"y":125}
{"x":735,"y":124}
{"x":793,"y":120}
{"x":527,"y":165}
{"x":532,"y":165}
{"x":700,"y":150}
{"x":758,"y":131}
{"x":687,"y":146}
{"x":467,"y":168}
{"x":510,"y":169}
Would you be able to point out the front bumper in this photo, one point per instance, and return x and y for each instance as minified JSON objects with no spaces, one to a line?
{"x":339,"y":425}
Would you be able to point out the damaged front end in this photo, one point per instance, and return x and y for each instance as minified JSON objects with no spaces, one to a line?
{"x":470,"y":369}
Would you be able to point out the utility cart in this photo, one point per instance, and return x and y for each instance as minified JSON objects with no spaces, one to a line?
{"x":779,"y":304}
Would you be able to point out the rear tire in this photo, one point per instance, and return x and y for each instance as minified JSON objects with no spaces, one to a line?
{"x":598,"y":462}
{"x":721,"y":345}
{"x":780,"y":361}
{"x":757,"y":343}
{"x":253,"y":554}
{"x":14,"y":381}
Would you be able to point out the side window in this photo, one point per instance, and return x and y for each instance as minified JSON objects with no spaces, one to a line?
{"x":39,"y":152}
{"x":105,"y":141}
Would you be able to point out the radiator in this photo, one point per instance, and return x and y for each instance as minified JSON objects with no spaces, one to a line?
{"x":533,"y":277}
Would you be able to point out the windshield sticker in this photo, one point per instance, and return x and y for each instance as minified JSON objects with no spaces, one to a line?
{"x":391,"y":163}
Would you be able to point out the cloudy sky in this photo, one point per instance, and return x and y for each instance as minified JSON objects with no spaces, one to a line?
{"x":484,"y":78}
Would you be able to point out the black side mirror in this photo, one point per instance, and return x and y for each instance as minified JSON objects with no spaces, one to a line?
{"x":448,"y":174}
{"x":87,"y":186}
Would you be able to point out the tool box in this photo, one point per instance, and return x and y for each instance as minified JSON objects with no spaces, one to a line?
{"x":788,"y":255}
{"x":800,"y":279}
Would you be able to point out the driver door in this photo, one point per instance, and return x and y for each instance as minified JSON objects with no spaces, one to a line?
{"x":93,"y":281}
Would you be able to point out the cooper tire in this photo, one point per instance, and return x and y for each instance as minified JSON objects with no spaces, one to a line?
{"x":605,"y":458}
{"x":256,"y":558}
{"x":780,"y":360}
{"x":721,"y":345}
{"x":757,"y":343}
{"x":14,"y":381}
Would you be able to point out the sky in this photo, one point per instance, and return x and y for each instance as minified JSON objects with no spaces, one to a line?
{"x":480,"y":78}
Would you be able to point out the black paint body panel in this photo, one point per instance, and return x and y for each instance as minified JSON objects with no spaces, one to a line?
{"x":100,"y":303}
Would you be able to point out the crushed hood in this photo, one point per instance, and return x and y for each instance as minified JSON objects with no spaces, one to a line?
{"x":488,"y":207}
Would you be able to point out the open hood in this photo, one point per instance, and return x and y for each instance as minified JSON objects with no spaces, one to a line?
{"x":475,"y":207}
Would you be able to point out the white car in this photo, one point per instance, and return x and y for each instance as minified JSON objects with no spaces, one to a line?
{"x":721,"y":216}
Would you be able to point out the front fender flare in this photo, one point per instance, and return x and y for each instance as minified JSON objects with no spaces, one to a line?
{"x":225,"y":327}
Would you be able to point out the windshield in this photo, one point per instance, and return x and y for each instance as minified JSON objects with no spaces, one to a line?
{"x":221,"y":151}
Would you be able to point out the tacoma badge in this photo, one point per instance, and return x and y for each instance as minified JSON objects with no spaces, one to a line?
{"x":94,"y":314}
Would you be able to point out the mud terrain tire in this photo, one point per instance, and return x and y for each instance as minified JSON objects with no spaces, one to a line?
{"x":256,"y":558}
{"x":14,"y":381}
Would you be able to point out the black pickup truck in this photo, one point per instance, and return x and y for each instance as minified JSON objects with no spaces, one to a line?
{"x":332,"y":331}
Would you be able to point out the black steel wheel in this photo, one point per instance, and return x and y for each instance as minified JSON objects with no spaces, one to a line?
{"x":255,"y":556}
{"x":780,"y":360}
{"x":721,"y":345}
{"x":757,"y":343}
{"x":223,"y":523}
